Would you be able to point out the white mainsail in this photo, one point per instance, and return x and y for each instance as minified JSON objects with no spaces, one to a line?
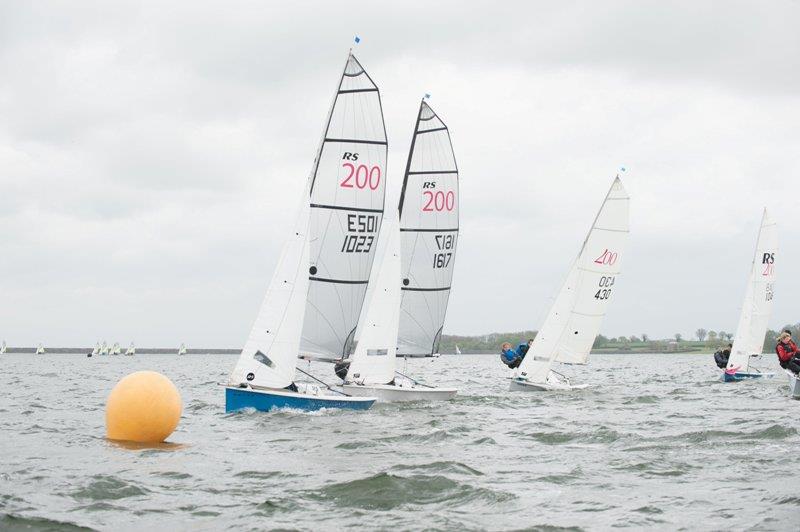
{"x":96,"y":350}
{"x":40,"y":350}
{"x":3,"y":348}
{"x":373,"y":360}
{"x":757,"y":306}
{"x":131,"y":350}
{"x":269,"y":357}
{"x":347,"y":199}
{"x":574,"y":320}
{"x":429,"y":233}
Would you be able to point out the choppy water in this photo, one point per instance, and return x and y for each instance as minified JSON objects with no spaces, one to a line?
{"x":649,"y":444}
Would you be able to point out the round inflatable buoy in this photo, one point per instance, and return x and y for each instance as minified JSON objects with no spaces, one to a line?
{"x":143,"y":407}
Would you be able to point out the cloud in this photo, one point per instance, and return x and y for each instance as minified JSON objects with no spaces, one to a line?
{"x":151,"y":155}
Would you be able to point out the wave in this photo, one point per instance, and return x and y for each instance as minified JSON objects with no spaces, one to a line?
{"x":386,"y":491}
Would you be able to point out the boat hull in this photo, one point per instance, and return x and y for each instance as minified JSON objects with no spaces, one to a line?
{"x":794,"y":385}
{"x":520,"y":385}
{"x":266,"y":400}
{"x":745,"y":375}
{"x":395,"y":394}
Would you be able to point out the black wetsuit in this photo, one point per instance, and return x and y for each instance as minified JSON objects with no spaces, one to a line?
{"x":721,"y":358}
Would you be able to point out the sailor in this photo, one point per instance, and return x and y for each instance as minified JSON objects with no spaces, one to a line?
{"x":788,"y":355}
{"x":522,"y":349}
{"x":721,"y":357}
{"x":512,"y":357}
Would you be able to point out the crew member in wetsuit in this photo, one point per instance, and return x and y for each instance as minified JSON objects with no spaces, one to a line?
{"x":721,"y":357}
{"x":511,"y":357}
{"x":341,"y":367}
{"x":788,"y":354}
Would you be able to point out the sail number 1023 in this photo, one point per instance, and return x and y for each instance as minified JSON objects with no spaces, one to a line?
{"x":604,"y":291}
{"x":355,"y":241}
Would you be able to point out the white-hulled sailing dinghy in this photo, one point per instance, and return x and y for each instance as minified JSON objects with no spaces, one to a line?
{"x":3,"y":348}
{"x":794,"y":384}
{"x":407,"y":310}
{"x":316,"y":295}
{"x":756,"y":309}
{"x":131,"y":350}
{"x":40,"y":350}
{"x":574,"y":320}
{"x":182,"y":350}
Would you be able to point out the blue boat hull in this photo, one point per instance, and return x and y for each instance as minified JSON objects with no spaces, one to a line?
{"x":241,"y":398}
{"x":740,"y":376}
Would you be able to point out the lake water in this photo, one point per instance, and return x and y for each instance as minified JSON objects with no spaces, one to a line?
{"x":656,"y":441}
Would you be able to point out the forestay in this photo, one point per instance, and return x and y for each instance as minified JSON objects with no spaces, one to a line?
{"x":574,"y":320}
{"x":269,"y":356}
{"x":373,"y":360}
{"x":347,"y":197}
{"x":429,"y":234}
{"x":757,"y":306}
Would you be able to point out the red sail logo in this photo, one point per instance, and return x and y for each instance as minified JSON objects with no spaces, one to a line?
{"x":607,"y":258}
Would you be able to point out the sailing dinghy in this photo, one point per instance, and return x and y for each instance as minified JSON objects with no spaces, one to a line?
{"x":3,"y":348}
{"x":756,"y":309}
{"x":40,"y":350}
{"x":182,"y":350}
{"x":317,"y":292}
{"x":574,"y":320}
{"x":131,"y":350}
{"x":406,"y":314}
{"x":794,"y":384}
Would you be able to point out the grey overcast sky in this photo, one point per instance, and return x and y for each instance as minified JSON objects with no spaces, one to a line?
{"x":152,"y":153}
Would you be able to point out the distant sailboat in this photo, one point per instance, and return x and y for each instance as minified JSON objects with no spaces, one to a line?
{"x":757,"y":307}
{"x":40,"y":350}
{"x":131,"y":350}
{"x":182,"y":349}
{"x":574,"y":320}
{"x":115,"y":349}
{"x":406,"y":313}
{"x":317,"y":291}
{"x":95,"y":351}
{"x":3,"y":348}
{"x":104,"y":348}
{"x":458,"y":351}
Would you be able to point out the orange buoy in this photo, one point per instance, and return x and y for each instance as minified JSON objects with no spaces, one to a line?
{"x":143,"y":407}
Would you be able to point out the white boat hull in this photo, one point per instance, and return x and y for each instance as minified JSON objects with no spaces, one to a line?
{"x":794,"y":385}
{"x":522,"y":385}
{"x":394,"y":394}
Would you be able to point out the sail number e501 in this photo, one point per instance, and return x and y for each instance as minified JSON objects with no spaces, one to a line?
{"x":357,"y":224}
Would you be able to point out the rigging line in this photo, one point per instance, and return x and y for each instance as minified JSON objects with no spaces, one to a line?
{"x":413,"y":380}
{"x":307,"y":374}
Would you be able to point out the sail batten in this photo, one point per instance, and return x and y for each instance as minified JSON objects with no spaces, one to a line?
{"x":429,"y":221}
{"x":573,"y":322}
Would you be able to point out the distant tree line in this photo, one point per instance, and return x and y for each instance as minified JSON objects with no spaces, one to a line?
{"x":706,"y":341}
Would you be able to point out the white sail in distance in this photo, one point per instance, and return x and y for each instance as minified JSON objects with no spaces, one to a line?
{"x":269,"y":357}
{"x":347,"y":199}
{"x":757,"y":306}
{"x":574,"y":320}
{"x":429,"y":216}
{"x":373,"y":360}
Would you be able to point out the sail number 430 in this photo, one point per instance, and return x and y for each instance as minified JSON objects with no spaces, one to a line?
{"x":443,"y":243}
{"x":605,"y":285}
